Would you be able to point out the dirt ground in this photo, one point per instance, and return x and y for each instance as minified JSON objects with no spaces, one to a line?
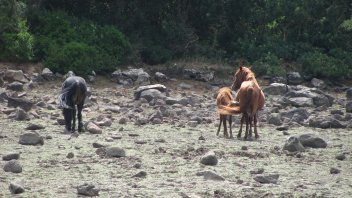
{"x":170,"y":156}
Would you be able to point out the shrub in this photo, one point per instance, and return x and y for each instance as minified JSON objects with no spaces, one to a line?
{"x":155,"y":54}
{"x":270,"y":65}
{"x":323,"y":65}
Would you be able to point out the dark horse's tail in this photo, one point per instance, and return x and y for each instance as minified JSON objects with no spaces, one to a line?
{"x":72,"y":95}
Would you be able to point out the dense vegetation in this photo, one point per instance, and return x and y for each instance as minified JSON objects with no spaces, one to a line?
{"x":86,"y":35}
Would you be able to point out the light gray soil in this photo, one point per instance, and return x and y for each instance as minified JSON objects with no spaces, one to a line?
{"x":171,"y":165}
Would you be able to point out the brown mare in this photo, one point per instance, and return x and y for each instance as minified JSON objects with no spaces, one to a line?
{"x":250,"y":97}
{"x":226,"y":105}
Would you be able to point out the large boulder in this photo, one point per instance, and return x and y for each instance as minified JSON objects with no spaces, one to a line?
{"x":31,"y":138}
{"x":320,"y":84}
{"x":200,"y":75}
{"x":151,"y":94}
{"x":139,"y":90}
{"x":23,"y":103}
{"x":47,"y":74}
{"x":15,"y":86}
{"x":293,"y":144}
{"x":326,"y":122}
{"x":276,"y":89}
{"x":301,"y":102}
{"x":131,"y":77}
{"x":13,"y":166}
{"x":294,"y":78}
{"x":313,"y":141}
{"x":160,"y":77}
{"x":15,"y":75}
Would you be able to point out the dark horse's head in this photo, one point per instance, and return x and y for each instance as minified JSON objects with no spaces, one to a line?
{"x":73,"y":94}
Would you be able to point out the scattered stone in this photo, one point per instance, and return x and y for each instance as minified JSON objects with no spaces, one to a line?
{"x":33,"y":126}
{"x":141,"y":174}
{"x":244,"y":148}
{"x":88,"y":190}
{"x":105,"y":122}
{"x":97,"y":145}
{"x":334,"y":170}
{"x":275,"y":119}
{"x":47,"y":74}
{"x":23,"y":103}
{"x":201,"y":138}
{"x":137,"y":93}
{"x":133,"y":134}
{"x":137,"y":166}
{"x":11,"y":156}
{"x":184,"y":86}
{"x":311,"y":140}
{"x":210,"y":175}
{"x":31,"y":138}
{"x":200,"y":75}
{"x":341,"y":156}
{"x":141,"y":121}
{"x":285,"y":133}
{"x":21,"y":115}
{"x":257,"y":171}
{"x":301,"y":102}
{"x":123,"y":120}
{"x":320,"y":84}
{"x":349,"y":106}
{"x":70,"y":155}
{"x":160,"y":77}
{"x":16,"y":187}
{"x":349,"y":94}
{"x":282,"y":128}
{"x":293,"y":144}
{"x":192,"y":123}
{"x":276,"y":89}
{"x":294,"y":78}
{"x":15,"y":86}
{"x":93,"y":128}
{"x":266,"y":179}
{"x":209,"y":159}
{"x":15,"y":75}
{"x":13,"y":166}
{"x":115,"y":152}
{"x":152,"y":94}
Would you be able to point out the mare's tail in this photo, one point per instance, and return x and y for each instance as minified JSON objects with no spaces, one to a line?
{"x":65,"y":98}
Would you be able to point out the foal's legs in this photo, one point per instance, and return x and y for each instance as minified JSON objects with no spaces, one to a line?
{"x":240,"y":131}
{"x":247,"y":123}
{"x":255,"y":126}
{"x":79,"y":117}
{"x":230,"y":123}
{"x":221,"y":117}
{"x":250,"y":125}
{"x":225,"y":127}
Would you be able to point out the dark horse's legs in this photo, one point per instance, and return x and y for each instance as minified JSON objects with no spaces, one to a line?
{"x":68,"y":117}
{"x":73,"y":120}
{"x":79,"y":116}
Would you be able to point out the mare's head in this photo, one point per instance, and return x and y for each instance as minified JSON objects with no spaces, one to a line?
{"x":242,"y":74}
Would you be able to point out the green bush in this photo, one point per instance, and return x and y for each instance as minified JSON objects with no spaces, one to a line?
{"x":98,"y":48}
{"x":322,"y":65}
{"x":155,"y":54}
{"x":78,"y":57}
{"x":270,"y":65}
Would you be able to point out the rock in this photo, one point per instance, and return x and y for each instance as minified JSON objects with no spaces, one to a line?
{"x":13,"y":166}
{"x":349,"y":106}
{"x":31,"y":138}
{"x":257,"y":171}
{"x":192,"y":123}
{"x":210,"y":175}
{"x":47,"y":74}
{"x":141,"y":174}
{"x":266,"y":179}
{"x":23,"y":103}
{"x":282,"y":128}
{"x":334,"y":170}
{"x":199,"y":75}
{"x":276,"y":89}
{"x":20,"y":114}
{"x":104,"y":122}
{"x":152,"y":94}
{"x":349,"y":94}
{"x":171,"y":101}
{"x":97,"y":145}
{"x":70,"y":155}
{"x":11,"y":156}
{"x":311,"y":140}
{"x":137,"y":76}
{"x":294,"y":78}
{"x":160,"y":77}
{"x":123,"y":120}
{"x":33,"y":126}
{"x":93,"y":128}
{"x":115,"y":152}
{"x":209,"y":159}
{"x":275,"y":119}
{"x":301,"y":102}
{"x":326,"y":122}
{"x":15,"y":86}
{"x":15,"y":75}
{"x":139,"y":90}
{"x":293,"y":144}
{"x":184,"y":86}
{"x":88,"y":190}
{"x":340,"y":157}
{"x":320,"y":84}
{"x":141,"y":121}
{"x":16,"y":187}
{"x":300,"y":113}
{"x":244,"y":148}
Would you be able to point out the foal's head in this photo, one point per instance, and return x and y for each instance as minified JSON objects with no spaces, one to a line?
{"x":242,"y":74}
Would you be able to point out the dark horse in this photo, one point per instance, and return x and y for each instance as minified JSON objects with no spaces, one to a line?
{"x":250,"y":97}
{"x":74,"y":91}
